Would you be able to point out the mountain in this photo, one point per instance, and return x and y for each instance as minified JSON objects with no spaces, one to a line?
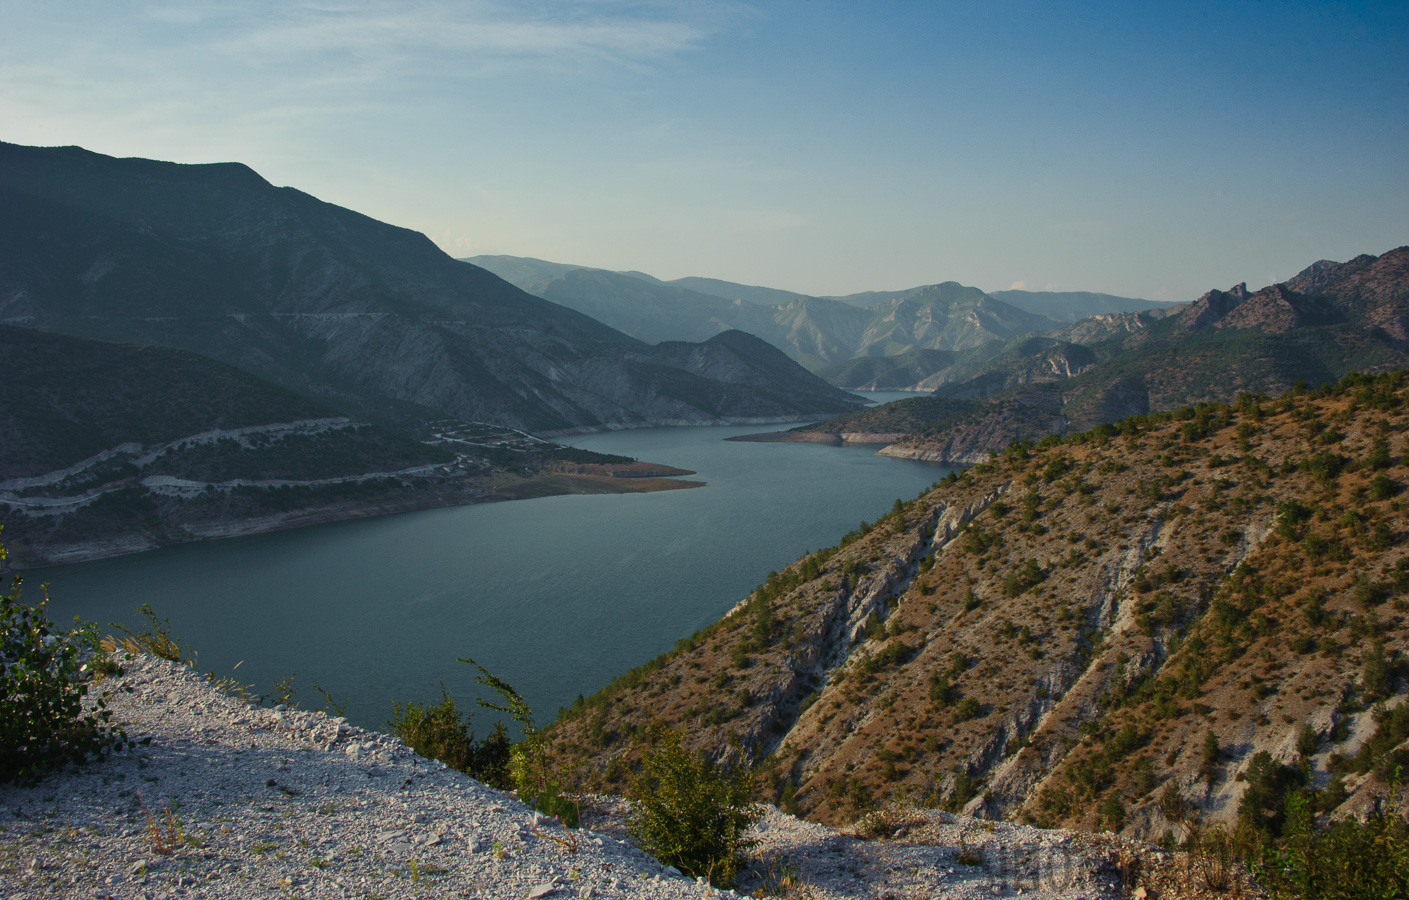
{"x":1331,"y":320}
{"x":1073,"y":306}
{"x":116,"y":448}
{"x":121,"y":447}
{"x":868,"y":299}
{"x":813,"y":332}
{"x":525,"y":272}
{"x":368,"y":318}
{"x":946,"y":316}
{"x":817,"y":332}
{"x":1182,"y":619}
{"x":762,"y":296}
{"x":822,"y":334}
{"x":521,"y":271}
{"x":649,"y":311}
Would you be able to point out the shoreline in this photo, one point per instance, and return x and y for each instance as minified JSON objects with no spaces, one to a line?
{"x":838,"y":438}
{"x":22,"y":554}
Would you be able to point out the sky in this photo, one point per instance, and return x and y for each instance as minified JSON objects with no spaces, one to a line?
{"x":1151,"y":150}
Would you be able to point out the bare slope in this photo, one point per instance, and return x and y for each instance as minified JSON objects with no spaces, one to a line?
{"x":1054,"y":636}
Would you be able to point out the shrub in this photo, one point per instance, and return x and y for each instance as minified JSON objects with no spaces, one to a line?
{"x":968,"y":708}
{"x":1382,"y":487}
{"x":528,"y":759}
{"x":43,"y":724}
{"x":691,"y":813}
{"x":942,"y":692}
{"x":1023,"y":579}
{"x":1113,"y":813}
{"x":156,"y":640}
{"x":1349,"y":859}
{"x":441,"y":732}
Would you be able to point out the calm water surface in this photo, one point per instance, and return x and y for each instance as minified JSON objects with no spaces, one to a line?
{"x":557,"y":596}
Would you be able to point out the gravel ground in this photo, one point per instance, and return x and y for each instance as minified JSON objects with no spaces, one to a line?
{"x":223,"y":799}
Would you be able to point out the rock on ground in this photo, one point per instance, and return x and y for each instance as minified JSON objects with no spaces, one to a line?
{"x":222,"y":799}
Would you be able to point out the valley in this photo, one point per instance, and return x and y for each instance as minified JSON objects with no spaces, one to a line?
{"x":627,"y":451}
{"x":195,"y":353}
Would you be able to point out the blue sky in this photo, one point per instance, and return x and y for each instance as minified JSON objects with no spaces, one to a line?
{"x":1152,"y":150}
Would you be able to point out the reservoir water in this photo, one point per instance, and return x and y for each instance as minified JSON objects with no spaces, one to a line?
{"x":557,"y":596}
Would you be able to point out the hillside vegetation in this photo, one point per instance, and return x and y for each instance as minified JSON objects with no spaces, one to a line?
{"x":1188,"y":617}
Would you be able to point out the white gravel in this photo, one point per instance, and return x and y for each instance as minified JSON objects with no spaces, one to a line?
{"x":222,"y":799}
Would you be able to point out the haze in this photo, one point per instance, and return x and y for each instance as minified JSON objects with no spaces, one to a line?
{"x":820,"y":147}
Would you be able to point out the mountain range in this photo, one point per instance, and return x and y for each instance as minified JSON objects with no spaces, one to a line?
{"x":1330,"y":320}
{"x":920,"y":333}
{"x":366,"y":317}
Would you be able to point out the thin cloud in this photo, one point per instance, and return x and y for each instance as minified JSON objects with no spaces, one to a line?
{"x":425,"y":33}
{"x":1018,"y":286}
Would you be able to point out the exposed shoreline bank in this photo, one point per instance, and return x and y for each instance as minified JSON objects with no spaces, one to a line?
{"x":27,"y":556}
{"x":817,"y":437}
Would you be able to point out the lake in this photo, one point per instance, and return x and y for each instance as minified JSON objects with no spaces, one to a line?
{"x":557,"y":595}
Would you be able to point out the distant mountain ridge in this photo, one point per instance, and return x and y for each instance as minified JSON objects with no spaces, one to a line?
{"x":1328,"y":321}
{"x":369,"y":318}
{"x":1073,"y":306}
{"x":825,"y":334}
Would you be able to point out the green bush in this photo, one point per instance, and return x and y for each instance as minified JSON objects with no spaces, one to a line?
{"x":691,"y":813}
{"x":1028,"y":576}
{"x":43,"y":724}
{"x":443,"y":733}
{"x":529,"y":770}
{"x":1348,"y":860}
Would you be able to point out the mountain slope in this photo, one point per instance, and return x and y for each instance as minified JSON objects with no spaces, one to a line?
{"x":1073,"y":306}
{"x":370,"y":318}
{"x":521,"y":271}
{"x":649,"y":311}
{"x":814,"y":332}
{"x":116,"y":448}
{"x":1135,"y":628}
{"x":120,"y":447}
{"x":946,"y":316}
{"x":1348,"y":317}
{"x":728,"y":290}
